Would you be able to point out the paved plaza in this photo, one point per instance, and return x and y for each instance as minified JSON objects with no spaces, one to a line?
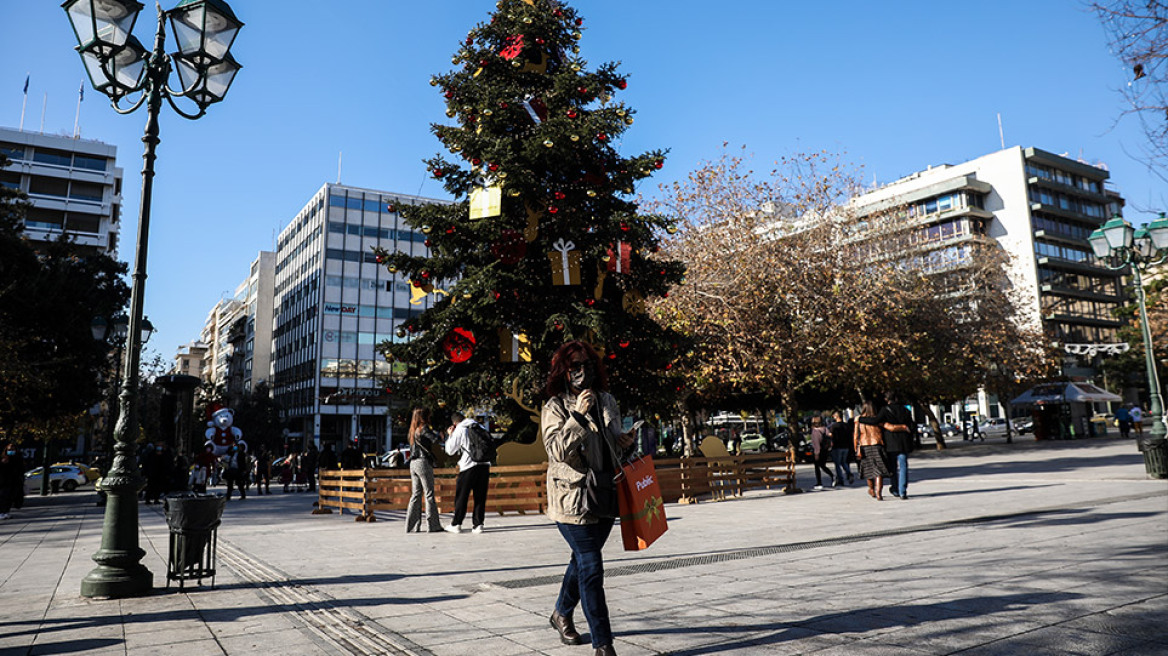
{"x":1029,"y":548}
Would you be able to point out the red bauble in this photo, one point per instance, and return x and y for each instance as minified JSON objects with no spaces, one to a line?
{"x":450,"y":231}
{"x":559,"y":195}
{"x":579,"y":22}
{"x":426,"y":243}
{"x":622,"y":84}
{"x":623,"y":343}
{"x":552,"y":209}
{"x":589,"y":302}
{"x":510,"y":247}
{"x":449,"y":94}
{"x":582,"y":90}
{"x":438,"y":173}
{"x":539,"y":41}
{"x":492,"y":167}
{"x":612,"y":356}
{"x":571,"y":113}
{"x":476,"y":161}
{"x":624,"y":227}
{"x":658,"y":164}
{"x":390,"y":208}
{"x":416,"y":283}
{"x":459,"y":345}
{"x":425,"y":275}
{"x":602,"y":137}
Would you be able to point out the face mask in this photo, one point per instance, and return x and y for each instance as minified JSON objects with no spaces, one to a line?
{"x":582,"y":378}
{"x":10,"y":453}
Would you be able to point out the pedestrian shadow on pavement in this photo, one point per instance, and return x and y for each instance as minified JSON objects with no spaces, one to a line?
{"x":71,"y":646}
{"x":315,"y":582}
{"x":203,"y":615}
{"x":1029,"y":467}
{"x":962,"y":493}
{"x":860,"y":621}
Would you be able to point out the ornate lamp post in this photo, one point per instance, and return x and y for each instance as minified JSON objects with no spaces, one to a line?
{"x":1123,"y":246}
{"x":114,"y":332}
{"x":119,"y":66}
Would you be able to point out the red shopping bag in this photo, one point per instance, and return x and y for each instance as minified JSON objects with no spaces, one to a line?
{"x":642,"y":510}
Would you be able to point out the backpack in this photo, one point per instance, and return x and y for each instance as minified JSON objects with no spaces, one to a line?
{"x":825,"y":441}
{"x":480,"y":444}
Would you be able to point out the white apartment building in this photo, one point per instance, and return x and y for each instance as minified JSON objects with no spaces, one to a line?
{"x":1040,"y":207}
{"x":259,"y":299}
{"x":333,"y":304}
{"x":191,"y":360}
{"x":74,"y":186}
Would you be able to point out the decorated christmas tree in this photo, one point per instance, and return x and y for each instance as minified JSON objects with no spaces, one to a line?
{"x":543,"y":243}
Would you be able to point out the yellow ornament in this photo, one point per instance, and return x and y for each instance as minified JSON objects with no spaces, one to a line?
{"x":514,"y":193}
{"x":451,"y":113}
{"x":527,"y":20}
{"x":620,"y":111}
{"x":425,"y":229}
{"x":441,"y":403}
{"x":549,"y":143}
{"x":430,"y":362}
{"x":628,"y":120}
{"x":391,"y":268}
{"x":575,"y":137}
{"x":433,"y":81}
{"x":671,"y":229}
{"x":487,"y":112}
{"x":592,"y":193}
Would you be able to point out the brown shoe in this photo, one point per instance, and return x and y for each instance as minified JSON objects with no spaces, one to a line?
{"x":563,"y":626}
{"x":606,"y":650}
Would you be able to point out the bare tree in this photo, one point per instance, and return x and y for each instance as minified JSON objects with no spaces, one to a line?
{"x":1138,"y":33}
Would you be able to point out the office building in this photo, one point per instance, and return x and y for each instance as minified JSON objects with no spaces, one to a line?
{"x":73,"y":185}
{"x":1040,"y":208}
{"x":333,"y":304}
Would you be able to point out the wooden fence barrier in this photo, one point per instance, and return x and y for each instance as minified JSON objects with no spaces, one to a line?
{"x":522,"y":488}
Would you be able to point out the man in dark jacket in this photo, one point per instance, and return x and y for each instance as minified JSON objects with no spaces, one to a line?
{"x":899,"y":437}
{"x":841,"y":447}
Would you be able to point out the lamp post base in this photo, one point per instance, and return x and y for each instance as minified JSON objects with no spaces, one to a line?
{"x":115,"y":582}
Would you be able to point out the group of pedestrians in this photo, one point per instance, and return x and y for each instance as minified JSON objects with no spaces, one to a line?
{"x":880,"y":439}
{"x":474,"y":474}
{"x":1130,"y":417}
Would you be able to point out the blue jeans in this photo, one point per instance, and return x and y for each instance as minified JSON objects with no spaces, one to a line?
{"x":584,"y":579}
{"x":843,"y":471}
{"x":899,"y":481}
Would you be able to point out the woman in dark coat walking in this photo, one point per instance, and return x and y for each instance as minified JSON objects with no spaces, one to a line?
{"x":11,"y":480}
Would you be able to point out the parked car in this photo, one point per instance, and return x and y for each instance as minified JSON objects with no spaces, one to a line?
{"x":92,"y":473}
{"x":993,"y":427}
{"x":754,"y":442}
{"x":1024,"y":425}
{"x":68,"y":477}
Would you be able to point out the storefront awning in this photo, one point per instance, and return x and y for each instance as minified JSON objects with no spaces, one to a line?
{"x":1054,"y":393}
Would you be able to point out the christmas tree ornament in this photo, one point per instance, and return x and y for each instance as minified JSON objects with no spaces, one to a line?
{"x":537,"y":66}
{"x":591,"y":193}
{"x":512,"y":47}
{"x":602,"y":137}
{"x":451,"y":113}
{"x":502,"y":175}
{"x":572,"y":113}
{"x":559,"y":195}
{"x":633,"y":302}
{"x":515,"y":63}
{"x":658,"y":164}
{"x":536,"y":109}
{"x":514,"y":347}
{"x":552,"y":209}
{"x":441,"y":403}
{"x":426,"y":230}
{"x":438,"y":173}
{"x":620,"y":258}
{"x":486,"y":202}
{"x":548,"y":143}
{"x":510,"y":247}
{"x":622,"y":84}
{"x":433,"y":81}
{"x":391,"y":208}
{"x":620,"y":111}
{"x":527,"y":20}
{"x":565,"y":263}
{"x":391,"y":268}
{"x":575,"y":67}
{"x":487,"y":111}
{"x":459,"y":345}
{"x":449,"y":95}
{"x":628,"y":120}
{"x":671,"y":229}
{"x":430,"y":362}
{"x":532,"y":231}
{"x":400,"y":332}
{"x":492,"y":167}
{"x":513,"y":193}
{"x":574,"y":137}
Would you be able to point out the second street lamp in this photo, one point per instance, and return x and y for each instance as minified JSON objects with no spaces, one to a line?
{"x":119,"y":67}
{"x":1118,"y":242}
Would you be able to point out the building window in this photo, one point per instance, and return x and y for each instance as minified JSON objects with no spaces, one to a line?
{"x":53,"y":157}
{"x":83,"y":222}
{"x":89,"y":162}
{"x":86,"y":191}
{"x":46,"y":186}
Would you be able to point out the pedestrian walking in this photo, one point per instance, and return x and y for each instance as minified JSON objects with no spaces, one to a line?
{"x":869,"y":442}
{"x":582,"y":436}
{"x":11,"y":480}
{"x":821,"y":445}
{"x":1137,"y":419}
{"x":263,"y":471}
{"x":423,"y":441}
{"x":235,"y":469}
{"x":474,"y":476}
{"x":897,"y":421}
{"x":841,"y":443}
{"x":157,"y":466}
{"x":328,"y":458}
{"x":308,"y":462}
{"x":1123,"y":420}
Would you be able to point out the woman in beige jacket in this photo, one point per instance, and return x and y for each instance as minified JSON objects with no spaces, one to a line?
{"x":582,"y":434}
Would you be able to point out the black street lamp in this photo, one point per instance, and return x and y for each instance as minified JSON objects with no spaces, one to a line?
{"x":1124,"y":246}
{"x":119,"y":66}
{"x":113,"y":332}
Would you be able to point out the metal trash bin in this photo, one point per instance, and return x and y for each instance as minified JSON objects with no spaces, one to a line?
{"x":194,"y":532}
{"x":1155,"y":452}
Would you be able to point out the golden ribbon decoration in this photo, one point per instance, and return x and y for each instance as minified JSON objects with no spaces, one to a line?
{"x":652,"y":509}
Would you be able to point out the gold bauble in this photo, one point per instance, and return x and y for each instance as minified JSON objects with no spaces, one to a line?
{"x":575,"y":137}
{"x":455,"y":148}
{"x":628,"y":120}
{"x":620,"y":111}
{"x":628,"y":190}
{"x":671,"y":230}
{"x":515,"y":63}
{"x":527,"y":20}
{"x":592,"y":193}
{"x":433,"y":81}
{"x":431,"y":362}
{"x":576,"y":50}
{"x":391,"y":268}
{"x":451,"y":113}
{"x":467,"y":108}
{"x":455,"y":59}
{"x":441,"y":403}
{"x":487,"y":112}
{"x":425,"y":229}
{"x":605,"y":258}
{"x":577,"y":36}
{"x":575,"y":67}
{"x":549,"y":143}
{"x":502,"y":175}
{"x":514,"y":193}
{"x":467,"y":296}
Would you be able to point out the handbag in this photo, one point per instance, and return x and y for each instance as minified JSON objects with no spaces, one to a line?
{"x":642,"y":509}
{"x":600,"y":486}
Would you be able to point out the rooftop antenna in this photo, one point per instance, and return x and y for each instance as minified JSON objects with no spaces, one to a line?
{"x":339,"y":154}
{"x":1001,"y":135}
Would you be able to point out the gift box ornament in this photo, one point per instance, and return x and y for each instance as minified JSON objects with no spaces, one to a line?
{"x":512,"y":48}
{"x":536,"y":109}
{"x":537,"y":66}
{"x":565,"y":263}
{"x":486,"y":202}
{"x":514,"y":347}
{"x":620,"y":258}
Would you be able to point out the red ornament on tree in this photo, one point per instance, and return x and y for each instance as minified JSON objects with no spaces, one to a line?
{"x":492,"y":167}
{"x":622,"y":84}
{"x":658,"y":164}
{"x":552,"y":209}
{"x":571,"y":113}
{"x":559,"y":195}
{"x":438,"y":173}
{"x":582,"y":90}
{"x":510,"y":247}
{"x":602,"y":137}
{"x":459,"y":345}
{"x":449,"y":94}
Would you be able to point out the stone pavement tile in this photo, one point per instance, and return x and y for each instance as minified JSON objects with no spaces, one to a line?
{"x":167,"y":635}
{"x":484,"y":613}
{"x":1076,"y":642}
{"x":84,"y":646}
{"x":954,"y":634}
{"x":1126,"y":621}
{"x":444,"y":635}
{"x":228,"y":623}
{"x":283,"y":643}
{"x":493,"y":645}
{"x":1142,"y":649}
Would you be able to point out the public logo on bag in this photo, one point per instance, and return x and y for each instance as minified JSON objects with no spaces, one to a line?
{"x":644,"y":483}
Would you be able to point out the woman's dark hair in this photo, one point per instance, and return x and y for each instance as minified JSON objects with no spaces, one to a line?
{"x":418,"y":422}
{"x":868,"y":409}
{"x":557,"y":379}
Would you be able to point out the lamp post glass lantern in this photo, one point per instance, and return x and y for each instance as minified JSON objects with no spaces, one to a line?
{"x":119,"y":66}
{"x":1123,"y":247}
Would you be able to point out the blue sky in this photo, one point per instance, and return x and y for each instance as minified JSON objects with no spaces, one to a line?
{"x":895,"y":85}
